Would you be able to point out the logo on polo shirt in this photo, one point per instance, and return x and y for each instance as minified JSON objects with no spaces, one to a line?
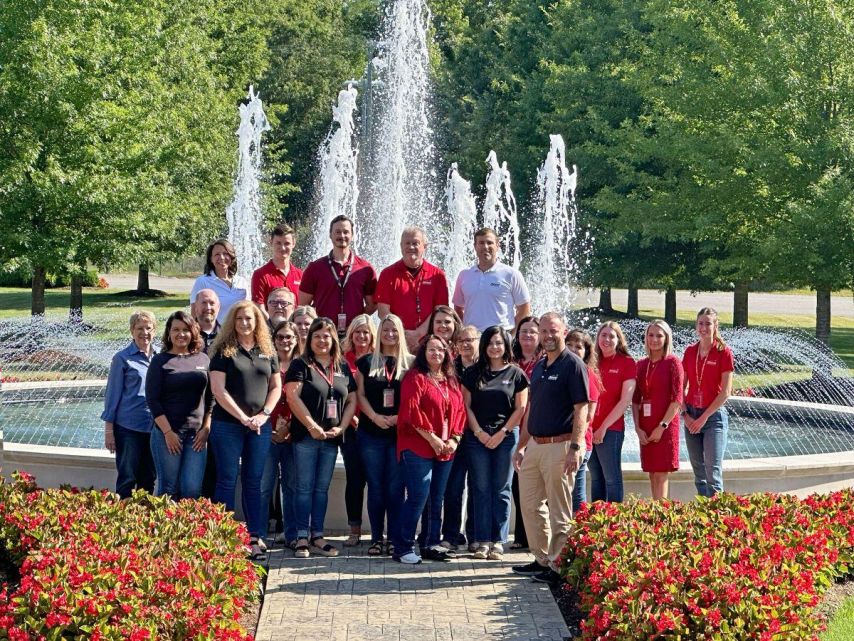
{"x":202,"y":368}
{"x":506,"y":382}
{"x":613,"y":371}
{"x":263,"y":357}
{"x":553,"y":377}
{"x":427,"y":282}
{"x":297,"y":282}
{"x":713,"y":362}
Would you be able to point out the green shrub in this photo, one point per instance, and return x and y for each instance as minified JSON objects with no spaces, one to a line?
{"x":22,"y":276}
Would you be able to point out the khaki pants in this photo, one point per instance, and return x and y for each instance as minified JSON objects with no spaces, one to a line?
{"x":541,"y":479}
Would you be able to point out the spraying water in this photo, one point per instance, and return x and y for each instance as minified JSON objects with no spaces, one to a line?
{"x":463,"y":211}
{"x":338,"y":182}
{"x":499,"y":210}
{"x":244,"y":215}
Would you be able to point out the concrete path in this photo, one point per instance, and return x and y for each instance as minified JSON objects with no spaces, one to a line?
{"x":354,"y":597}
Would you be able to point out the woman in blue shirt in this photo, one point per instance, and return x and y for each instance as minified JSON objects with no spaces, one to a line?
{"x":127,"y":419}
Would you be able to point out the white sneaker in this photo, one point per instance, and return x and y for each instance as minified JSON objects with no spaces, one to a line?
{"x":482,"y":552}
{"x":496,"y":553}
{"x":262,"y":545}
{"x":410,"y":558}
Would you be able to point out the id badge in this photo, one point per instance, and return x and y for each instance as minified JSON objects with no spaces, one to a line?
{"x":342,"y":322}
{"x":697,"y":400}
{"x":388,"y":398}
{"x":647,"y":409}
{"x":445,"y":430}
{"x":332,"y":410}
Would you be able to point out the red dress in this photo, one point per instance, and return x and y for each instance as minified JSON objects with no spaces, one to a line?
{"x":430,"y":405}
{"x":659,"y":385}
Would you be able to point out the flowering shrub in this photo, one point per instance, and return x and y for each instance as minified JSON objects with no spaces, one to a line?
{"x":92,"y":566}
{"x":103,"y":283}
{"x":727,"y":568}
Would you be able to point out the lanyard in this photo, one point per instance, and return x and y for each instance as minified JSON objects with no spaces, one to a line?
{"x":329,"y":379}
{"x":650,"y":368}
{"x":443,"y":389}
{"x":348,"y":269}
{"x":699,"y":372}
{"x":389,"y":375}
{"x":418,"y":280}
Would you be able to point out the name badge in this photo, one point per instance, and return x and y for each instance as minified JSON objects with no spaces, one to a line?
{"x":697,"y":399}
{"x":388,"y":398}
{"x":445,"y":430}
{"x":342,"y":322}
{"x":647,"y":409}
{"x":332,"y":410}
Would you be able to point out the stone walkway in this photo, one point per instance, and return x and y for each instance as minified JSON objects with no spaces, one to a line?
{"x":354,"y":597}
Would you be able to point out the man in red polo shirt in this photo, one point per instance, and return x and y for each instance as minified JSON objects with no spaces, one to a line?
{"x":339,"y":286}
{"x":278,"y":272}
{"x":411,"y":287}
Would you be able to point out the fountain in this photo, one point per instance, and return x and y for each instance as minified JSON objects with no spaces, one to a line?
{"x":499,"y":210}
{"x":463,"y":211}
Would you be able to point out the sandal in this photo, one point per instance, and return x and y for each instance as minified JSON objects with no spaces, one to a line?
{"x":376,"y":548}
{"x":353,"y":540}
{"x":301,"y":549}
{"x":389,"y":549}
{"x":516,"y":545}
{"x":327,"y":549}
{"x":256,"y":551}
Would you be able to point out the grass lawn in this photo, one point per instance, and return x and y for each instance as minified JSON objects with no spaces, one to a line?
{"x":841,"y":626}
{"x":15,"y":302}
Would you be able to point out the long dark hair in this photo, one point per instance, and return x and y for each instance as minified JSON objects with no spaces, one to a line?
{"x":483,"y":359}
{"x":590,"y":358}
{"x":229,"y":248}
{"x":517,"y":348}
{"x":444,"y":309}
{"x":334,"y":352}
{"x":421,"y":358}
{"x":196,"y":342}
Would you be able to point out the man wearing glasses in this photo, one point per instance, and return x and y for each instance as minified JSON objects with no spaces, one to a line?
{"x":280,"y":305}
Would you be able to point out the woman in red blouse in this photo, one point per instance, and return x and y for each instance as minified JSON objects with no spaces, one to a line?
{"x":709,"y":366}
{"x":578,"y":342}
{"x":656,"y":405}
{"x":429,"y":428}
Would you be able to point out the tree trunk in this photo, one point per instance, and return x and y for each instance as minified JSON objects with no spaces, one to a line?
{"x":142,"y":279}
{"x":39,"y":277}
{"x":740,"y":304}
{"x":670,"y":306}
{"x":822,"y":314}
{"x":75,"y":306}
{"x":605,"y":300}
{"x":632,"y":305}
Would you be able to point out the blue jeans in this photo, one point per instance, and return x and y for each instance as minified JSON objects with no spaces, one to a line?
{"x":606,"y":469}
{"x":423,"y":478}
{"x":385,"y":483}
{"x":279,"y":465}
{"x":239,"y":448}
{"x":579,"y":490}
{"x":314,"y":463}
{"x":491,"y":473}
{"x":134,"y":463}
{"x":706,"y":451}
{"x":178,"y":475}
{"x":452,"y":525}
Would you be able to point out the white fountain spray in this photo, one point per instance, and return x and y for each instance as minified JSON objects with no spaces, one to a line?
{"x":463,"y":212}
{"x":404,"y":186}
{"x":499,"y":210}
{"x":338,"y":159}
{"x":554,"y":249}
{"x":244,"y":215}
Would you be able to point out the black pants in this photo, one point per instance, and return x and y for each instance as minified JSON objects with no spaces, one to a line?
{"x":519,"y":535}
{"x":354,"y":490}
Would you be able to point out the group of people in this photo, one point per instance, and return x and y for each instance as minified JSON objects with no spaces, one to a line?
{"x":269,"y":380}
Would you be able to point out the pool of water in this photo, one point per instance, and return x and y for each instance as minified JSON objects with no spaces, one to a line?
{"x":76,"y":424}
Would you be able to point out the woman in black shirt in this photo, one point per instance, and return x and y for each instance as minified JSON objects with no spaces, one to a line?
{"x":175,"y":392}
{"x":321,"y":393}
{"x":378,"y":379}
{"x":496,"y":394}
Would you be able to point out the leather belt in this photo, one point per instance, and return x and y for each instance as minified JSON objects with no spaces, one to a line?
{"x":544,"y":440}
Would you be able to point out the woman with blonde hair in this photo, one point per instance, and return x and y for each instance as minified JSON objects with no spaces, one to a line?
{"x":656,"y":405}
{"x":378,"y":377}
{"x":246,"y":384}
{"x":709,"y":367}
{"x":617,"y":374}
{"x":302,"y":317}
{"x":359,"y":340}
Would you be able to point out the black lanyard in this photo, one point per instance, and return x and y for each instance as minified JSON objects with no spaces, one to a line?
{"x":348,"y":269}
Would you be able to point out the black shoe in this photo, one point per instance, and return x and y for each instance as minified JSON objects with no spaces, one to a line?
{"x":529,"y":569}
{"x":547,"y":576}
{"x":432,"y":554}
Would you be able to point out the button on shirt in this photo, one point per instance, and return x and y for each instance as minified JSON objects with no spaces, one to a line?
{"x":124,"y":399}
{"x":555,"y":390}
{"x":410,"y":296}
{"x":228,"y":294}
{"x":490,"y":297}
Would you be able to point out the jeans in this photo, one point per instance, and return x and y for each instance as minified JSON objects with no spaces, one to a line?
{"x":385,"y":484}
{"x":452,"y":524}
{"x":354,"y":488}
{"x":134,"y":463}
{"x":491,"y":473}
{"x":423,"y":478}
{"x":314,"y":463}
{"x":606,"y":471}
{"x":239,"y":448}
{"x":579,"y":490}
{"x":279,"y":465}
{"x":706,"y":451}
{"x":178,"y":475}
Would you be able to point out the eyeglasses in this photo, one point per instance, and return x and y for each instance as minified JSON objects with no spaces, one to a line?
{"x":280,"y":303}
{"x":466,"y":340}
{"x":530,"y":332}
{"x":287,"y":337}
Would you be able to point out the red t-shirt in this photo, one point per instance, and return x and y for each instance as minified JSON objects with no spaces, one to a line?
{"x":594,"y":392}
{"x":659,"y":384}
{"x":704,"y":375}
{"x":282,"y":409}
{"x":412,"y":297}
{"x":269,"y":277}
{"x":319,"y":281}
{"x":613,"y":372}
{"x":423,"y":405}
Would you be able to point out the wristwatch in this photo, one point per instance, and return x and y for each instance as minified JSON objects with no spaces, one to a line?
{"x":574,"y":446}
{"x":266,"y":412}
{"x":664,"y":425}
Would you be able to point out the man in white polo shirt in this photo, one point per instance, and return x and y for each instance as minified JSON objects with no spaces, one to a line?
{"x":490,"y":292}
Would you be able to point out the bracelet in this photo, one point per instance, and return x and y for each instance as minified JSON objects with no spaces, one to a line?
{"x":458,"y":438}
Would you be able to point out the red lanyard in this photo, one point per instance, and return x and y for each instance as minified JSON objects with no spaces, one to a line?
{"x":329,"y":379}
{"x":698,"y":373}
{"x":650,"y":368}
{"x":389,"y":376}
{"x":348,"y":269}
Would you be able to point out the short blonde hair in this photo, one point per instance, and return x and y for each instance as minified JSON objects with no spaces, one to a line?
{"x":140,"y":315}
{"x":356,"y":323}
